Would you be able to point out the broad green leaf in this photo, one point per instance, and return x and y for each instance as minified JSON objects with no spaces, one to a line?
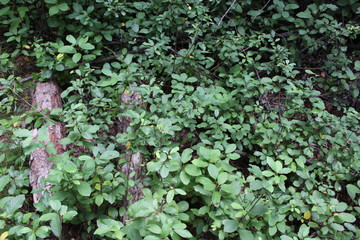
{"x":259,"y":210}
{"x":170,"y":196}
{"x":230,"y":148}
{"x":70,"y":167}
{"x":22,"y":133}
{"x":110,"y":82}
{"x":186,"y":155}
{"x":47,"y":216}
{"x":352,"y":190}
{"x":107,"y":72}
{"x":213,"y":171}
{"x":4,"y":180}
{"x":55,"y":225}
{"x":84,"y":189}
{"x":230,"y":226}
{"x":216,"y":197}
{"x":183,"y":233}
{"x":42,"y":232}
{"x":99,"y":200}
{"x":15,"y":203}
{"x":76,"y":57}
{"x":69,"y":215}
{"x":87,"y":46}
{"x":154,"y":228}
{"x":185,"y":179}
{"x":256,"y":185}
{"x":53,"y":10}
{"x":192,"y":170}
{"x":109,"y":154}
{"x":63,"y":6}
{"x":347,"y":217}
{"x":71,"y":39}
{"x":67,"y":49}
{"x":55,"y":204}
{"x":223,"y":177}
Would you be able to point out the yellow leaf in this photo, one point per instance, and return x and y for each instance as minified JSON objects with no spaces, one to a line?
{"x":126,"y":92}
{"x":307,"y":215}
{"x":322,"y":136}
{"x":128,"y":145}
{"x":27,"y":47}
{"x":60,"y":55}
{"x":4,"y":235}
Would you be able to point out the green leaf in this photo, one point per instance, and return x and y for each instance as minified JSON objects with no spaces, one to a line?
{"x":245,"y":235}
{"x":208,"y":184}
{"x":340,"y":207}
{"x":55,"y":225}
{"x":107,"y":72}
{"x":135,"y":27}
{"x":210,"y":154}
{"x":69,"y":215}
{"x":230,"y":226}
{"x":99,"y":200}
{"x":15,"y":203}
{"x":192,"y":170}
{"x":71,"y":39}
{"x":4,"y":180}
{"x":70,"y":167}
{"x":170,"y":196}
{"x":259,"y":210}
{"x":154,"y":228}
{"x":184,"y":178}
{"x":76,"y":57}
{"x":22,"y":133}
{"x":352,"y":190}
{"x":84,"y":189}
{"x":186,"y":155}
{"x":306,"y":14}
{"x":230,"y":148}
{"x":87,"y":46}
{"x":109,"y":82}
{"x":256,"y":185}
{"x":216,"y":197}
{"x":183,"y":233}
{"x":55,"y":204}
{"x":283,"y":237}
{"x":47,"y":216}
{"x":67,"y":49}
{"x":63,"y":7}
{"x":213,"y":171}
{"x":357,"y":65}
{"x":53,"y":10}
{"x":347,"y":217}
{"x":223,"y":177}
{"x":109,"y":154}
{"x":42,"y":232}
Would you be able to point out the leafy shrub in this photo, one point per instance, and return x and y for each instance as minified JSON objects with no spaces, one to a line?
{"x":249,"y":124}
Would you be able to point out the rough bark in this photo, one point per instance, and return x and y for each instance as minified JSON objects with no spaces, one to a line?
{"x":133,"y":160}
{"x":46,"y":96}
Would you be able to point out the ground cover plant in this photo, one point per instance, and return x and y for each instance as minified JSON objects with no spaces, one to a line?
{"x":247,"y":118}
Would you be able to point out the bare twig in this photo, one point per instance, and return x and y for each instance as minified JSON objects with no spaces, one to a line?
{"x":259,"y":12}
{"x":227,"y":11}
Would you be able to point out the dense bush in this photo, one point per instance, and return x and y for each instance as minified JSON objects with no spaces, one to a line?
{"x":249,"y":121}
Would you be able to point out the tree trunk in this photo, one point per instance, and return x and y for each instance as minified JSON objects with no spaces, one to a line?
{"x":46,"y":95}
{"x":133,"y":160}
